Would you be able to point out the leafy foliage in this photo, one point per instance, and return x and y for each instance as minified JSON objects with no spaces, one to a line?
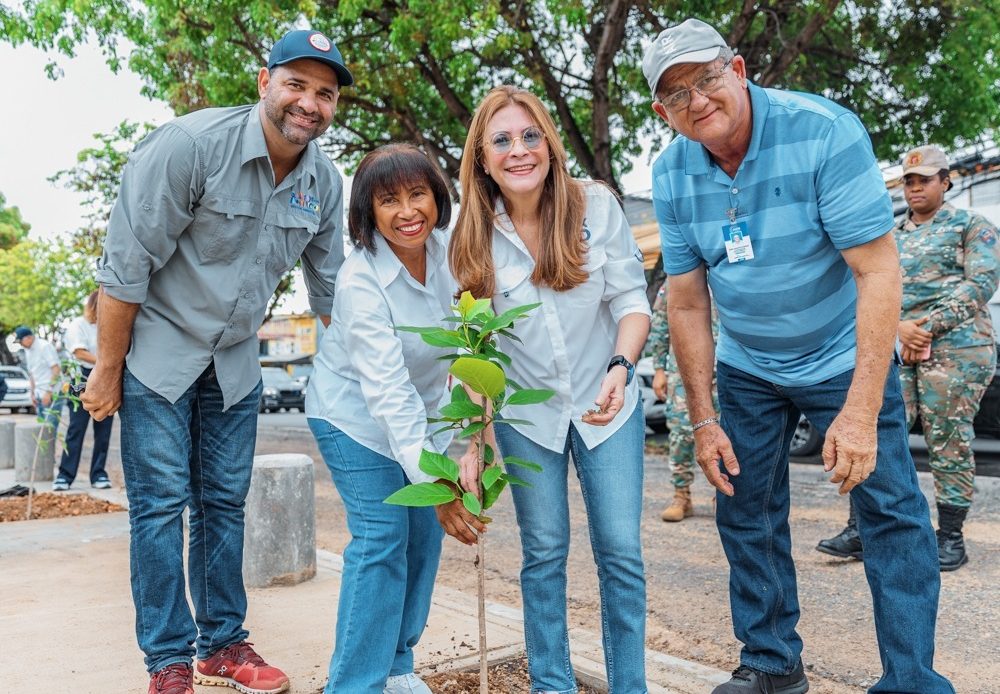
{"x":915,"y":70}
{"x":13,"y":228}
{"x":474,"y":337}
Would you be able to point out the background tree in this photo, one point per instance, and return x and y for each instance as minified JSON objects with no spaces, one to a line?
{"x":13,"y":230}
{"x":915,"y":70}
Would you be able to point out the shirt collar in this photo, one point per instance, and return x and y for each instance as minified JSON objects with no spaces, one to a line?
{"x":699,"y":161}
{"x":388,"y":267}
{"x":255,"y":145}
{"x":944,"y":213}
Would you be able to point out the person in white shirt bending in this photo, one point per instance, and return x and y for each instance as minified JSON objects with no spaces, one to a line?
{"x":44,"y":371}
{"x":528,"y":232}
{"x":369,"y":398}
{"x":81,"y":343}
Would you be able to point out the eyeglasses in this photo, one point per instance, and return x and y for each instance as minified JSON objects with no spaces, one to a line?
{"x":709,"y":84}
{"x":531,"y":137}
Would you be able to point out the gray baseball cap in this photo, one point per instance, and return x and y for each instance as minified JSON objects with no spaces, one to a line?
{"x":925,"y":161}
{"x":691,"y":41}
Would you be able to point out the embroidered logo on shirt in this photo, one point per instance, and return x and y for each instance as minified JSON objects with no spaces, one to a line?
{"x":988,"y":237}
{"x":304,"y":203}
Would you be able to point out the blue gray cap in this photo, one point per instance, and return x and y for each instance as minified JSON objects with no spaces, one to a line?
{"x":21,"y":332}
{"x":691,"y":41}
{"x":314,"y":45}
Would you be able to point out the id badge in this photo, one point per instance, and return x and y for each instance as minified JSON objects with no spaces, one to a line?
{"x":738,"y":244}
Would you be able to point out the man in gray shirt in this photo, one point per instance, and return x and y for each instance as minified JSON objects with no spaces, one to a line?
{"x":213,"y":209}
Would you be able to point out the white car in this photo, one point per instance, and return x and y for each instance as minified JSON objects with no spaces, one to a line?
{"x":18,"y":397}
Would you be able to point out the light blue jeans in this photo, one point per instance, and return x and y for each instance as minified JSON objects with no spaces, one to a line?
{"x":611,"y":480}
{"x":389,"y":567}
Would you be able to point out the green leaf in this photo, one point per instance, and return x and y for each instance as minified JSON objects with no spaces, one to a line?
{"x":493,"y":493}
{"x":473,"y":428}
{"x":438,"y":337}
{"x":521,"y":462}
{"x":471,"y":503}
{"x":462,"y":410}
{"x":491,"y":475}
{"x":508,"y":317}
{"x":493,"y":352}
{"x":423,"y":494}
{"x":515,"y":480}
{"x":528,"y":396}
{"x":484,"y":377}
{"x":449,"y":357}
{"x":437,"y":465}
{"x":488,"y":455}
{"x":510,"y":336}
{"x":512,"y":420}
{"x":460,"y":394}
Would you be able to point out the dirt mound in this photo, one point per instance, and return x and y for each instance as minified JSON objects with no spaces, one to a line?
{"x":510,"y":677}
{"x":50,"y":505}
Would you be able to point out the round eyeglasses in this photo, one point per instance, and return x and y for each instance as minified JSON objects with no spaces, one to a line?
{"x":531,"y":138}
{"x":709,"y":84}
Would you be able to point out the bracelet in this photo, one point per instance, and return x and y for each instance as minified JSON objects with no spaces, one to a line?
{"x":704,"y":423}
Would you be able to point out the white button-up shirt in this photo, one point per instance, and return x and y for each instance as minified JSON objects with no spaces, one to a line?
{"x":40,"y":358}
{"x":81,"y":334}
{"x":374,"y":383}
{"x":569,"y":340}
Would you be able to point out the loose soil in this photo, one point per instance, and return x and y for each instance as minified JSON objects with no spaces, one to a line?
{"x":50,"y":505}
{"x":510,"y":677}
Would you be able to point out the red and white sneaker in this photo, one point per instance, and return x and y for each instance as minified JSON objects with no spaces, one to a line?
{"x":173,"y":679}
{"x":238,"y":666}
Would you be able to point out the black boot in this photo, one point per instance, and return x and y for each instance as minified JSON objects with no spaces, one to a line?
{"x":951,"y":544}
{"x":847,"y":544}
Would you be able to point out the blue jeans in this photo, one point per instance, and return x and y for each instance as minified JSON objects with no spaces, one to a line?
{"x":611,"y":480}
{"x":175,"y":456}
{"x":389,"y":567}
{"x":900,"y":549}
{"x":79,"y":418}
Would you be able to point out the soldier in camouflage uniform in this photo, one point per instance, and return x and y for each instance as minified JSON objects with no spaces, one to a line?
{"x":668,"y":386}
{"x":951,"y":266}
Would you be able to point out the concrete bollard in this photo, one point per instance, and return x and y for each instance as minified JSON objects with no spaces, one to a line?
{"x":279,"y":540}
{"x":7,"y":443}
{"x":28,"y":436}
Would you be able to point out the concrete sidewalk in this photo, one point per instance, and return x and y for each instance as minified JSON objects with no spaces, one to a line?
{"x":67,"y":621}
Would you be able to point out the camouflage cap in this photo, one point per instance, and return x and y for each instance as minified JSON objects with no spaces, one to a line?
{"x":925,"y":161}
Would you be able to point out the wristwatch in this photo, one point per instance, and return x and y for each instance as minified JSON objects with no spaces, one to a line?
{"x":620,"y":360}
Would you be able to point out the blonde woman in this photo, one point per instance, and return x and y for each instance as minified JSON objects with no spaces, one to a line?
{"x":528,"y":232}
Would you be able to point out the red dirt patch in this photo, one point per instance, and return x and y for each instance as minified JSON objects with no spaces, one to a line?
{"x":510,"y":677}
{"x":50,"y":505}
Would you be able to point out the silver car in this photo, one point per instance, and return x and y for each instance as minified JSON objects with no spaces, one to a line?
{"x":18,"y":397}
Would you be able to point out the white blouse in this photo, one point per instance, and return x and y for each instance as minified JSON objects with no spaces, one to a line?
{"x":569,"y":339}
{"x":376,"y":384}
{"x":81,"y":333}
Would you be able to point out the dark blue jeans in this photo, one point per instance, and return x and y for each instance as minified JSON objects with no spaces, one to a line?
{"x":79,"y":418}
{"x":187,"y":454}
{"x":900,"y":549}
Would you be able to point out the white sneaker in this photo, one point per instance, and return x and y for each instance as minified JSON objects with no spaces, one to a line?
{"x":405,"y":684}
{"x":60,"y":485}
{"x":103,"y":483}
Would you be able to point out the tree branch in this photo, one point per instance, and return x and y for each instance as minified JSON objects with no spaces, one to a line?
{"x":792,"y":50}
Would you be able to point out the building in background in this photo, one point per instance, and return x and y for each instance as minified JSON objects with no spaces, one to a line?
{"x":290,"y":341}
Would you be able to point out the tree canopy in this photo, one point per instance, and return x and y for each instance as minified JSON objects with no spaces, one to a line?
{"x":13,"y":229}
{"x":916,"y":71}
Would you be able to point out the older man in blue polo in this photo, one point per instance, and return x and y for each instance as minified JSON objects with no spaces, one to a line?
{"x":775,"y":201}
{"x":214,"y":208}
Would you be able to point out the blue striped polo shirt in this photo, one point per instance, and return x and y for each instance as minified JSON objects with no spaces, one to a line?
{"x":808,"y":188}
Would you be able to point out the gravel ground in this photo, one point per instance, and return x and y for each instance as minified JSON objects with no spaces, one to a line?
{"x":687,"y":576}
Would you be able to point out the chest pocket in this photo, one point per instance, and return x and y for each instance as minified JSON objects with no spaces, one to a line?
{"x":590,"y":293}
{"x":222,"y":227}
{"x":513,"y":287}
{"x":289,"y":235}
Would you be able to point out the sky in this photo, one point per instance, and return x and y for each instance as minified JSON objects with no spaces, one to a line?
{"x":47,"y":122}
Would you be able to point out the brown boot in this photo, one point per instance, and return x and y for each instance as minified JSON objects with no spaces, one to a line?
{"x":680,"y":508}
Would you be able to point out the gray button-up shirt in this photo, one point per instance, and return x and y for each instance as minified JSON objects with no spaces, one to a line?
{"x":200,"y":237}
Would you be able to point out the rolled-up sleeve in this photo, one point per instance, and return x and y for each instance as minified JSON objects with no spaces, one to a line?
{"x":160,"y":184}
{"x":624,"y":277}
{"x":322,"y":258}
{"x":377,"y":356}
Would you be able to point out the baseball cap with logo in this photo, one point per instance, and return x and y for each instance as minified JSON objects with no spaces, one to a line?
{"x":691,"y":41}
{"x":925,"y":161}
{"x":314,"y":45}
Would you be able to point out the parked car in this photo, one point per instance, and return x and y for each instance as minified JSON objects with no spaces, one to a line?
{"x":807,"y":440}
{"x":281,"y":392}
{"x":18,"y":397}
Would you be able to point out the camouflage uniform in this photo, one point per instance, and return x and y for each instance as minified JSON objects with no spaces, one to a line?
{"x":681,"y":437}
{"x":951,"y":266}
